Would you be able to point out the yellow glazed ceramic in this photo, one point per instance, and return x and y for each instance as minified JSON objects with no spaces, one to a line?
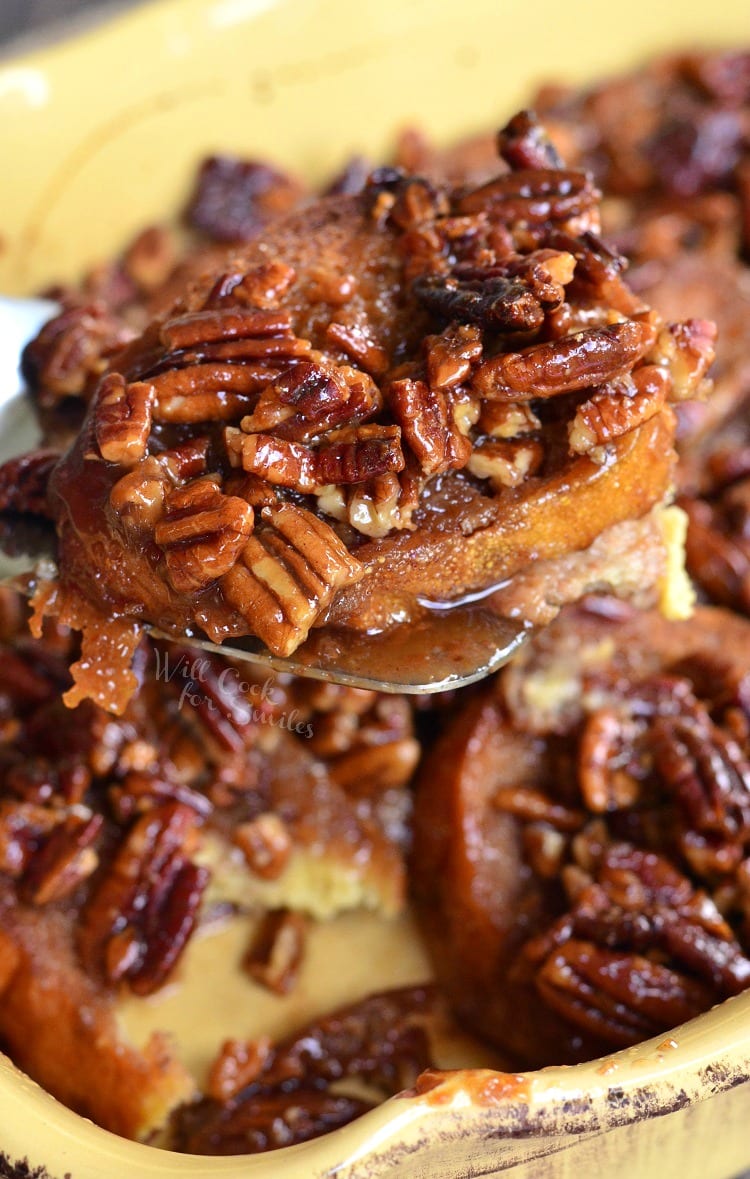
{"x":99,"y":136}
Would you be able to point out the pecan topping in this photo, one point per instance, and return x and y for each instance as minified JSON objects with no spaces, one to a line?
{"x":122,"y":419}
{"x":65,"y":860}
{"x":139,"y":919}
{"x":534,"y":196}
{"x":202,"y":533}
{"x":288,"y":1098}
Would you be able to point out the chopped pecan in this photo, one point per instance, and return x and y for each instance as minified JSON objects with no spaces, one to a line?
{"x":122,"y":419}
{"x":238,"y":1064}
{"x":531,"y":805}
{"x":23,"y":483}
{"x":687,"y":350}
{"x":265,"y":1121}
{"x":287,"y":575}
{"x":266,"y":845}
{"x":605,"y":770}
{"x":708,"y":775}
{"x":372,"y":769}
{"x":506,"y":463}
{"x":23,"y":828}
{"x":507,"y":419}
{"x":202,"y":533}
{"x":310,"y":399}
{"x":451,"y":356}
{"x":590,"y":357}
{"x":139,"y":919}
{"x":358,"y":343}
{"x":150,"y":258}
{"x":138,"y":497}
{"x":275,"y":957}
{"x":616,"y":408}
{"x":265,"y":285}
{"x":361,"y":453}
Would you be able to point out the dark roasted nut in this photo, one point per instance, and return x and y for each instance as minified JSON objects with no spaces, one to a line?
{"x":590,"y":357}
{"x":373,"y":769}
{"x":287,"y":575}
{"x":139,"y":919}
{"x":234,"y":199}
{"x":122,"y":419}
{"x":202,"y":533}
{"x":523,"y":143}
{"x":619,"y":406}
{"x":23,"y":483}
{"x":275,"y":957}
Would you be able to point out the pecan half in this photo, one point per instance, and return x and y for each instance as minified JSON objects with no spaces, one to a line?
{"x":351,"y":455}
{"x":506,"y":463}
{"x":428,"y":424}
{"x":139,"y":919}
{"x":287,"y":575}
{"x":202,"y":533}
{"x":590,"y":357}
{"x":122,"y":419}
{"x":616,"y":408}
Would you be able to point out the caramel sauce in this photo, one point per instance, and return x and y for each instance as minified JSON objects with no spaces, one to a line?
{"x":428,"y":654}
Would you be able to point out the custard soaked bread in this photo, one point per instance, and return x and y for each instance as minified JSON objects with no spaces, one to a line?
{"x":582,"y":832}
{"x":388,"y":400}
